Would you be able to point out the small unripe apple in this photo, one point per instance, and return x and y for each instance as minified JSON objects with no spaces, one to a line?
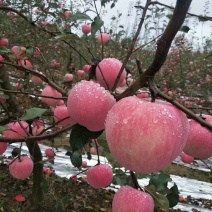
{"x":86,"y":29}
{"x":108,"y":70}
{"x":128,"y":199}
{"x":100,"y":176}
{"x":138,"y":131}
{"x":103,"y":38}
{"x":21,"y":168}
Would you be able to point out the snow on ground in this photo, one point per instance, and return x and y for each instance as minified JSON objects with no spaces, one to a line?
{"x":187,"y":187}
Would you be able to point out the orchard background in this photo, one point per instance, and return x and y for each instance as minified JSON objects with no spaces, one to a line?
{"x":60,"y":43}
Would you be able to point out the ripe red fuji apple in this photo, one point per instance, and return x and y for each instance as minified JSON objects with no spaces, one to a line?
{"x":100,"y":176}
{"x":36,"y":80}
{"x":187,"y":158}
{"x":16,"y":131}
{"x":21,"y":168}
{"x":109,"y":68}
{"x":25,"y":63}
{"x":86,"y":68}
{"x":84,"y":164}
{"x":37,"y":130}
{"x":103,"y":38}
{"x":3,"y":147}
{"x":4,"y":42}
{"x":67,"y":14}
{"x":18,"y":51}
{"x":88,"y":105}
{"x":51,"y":92}
{"x":93,"y":151}
{"x":60,"y":113}
{"x":128,"y":199}
{"x":49,"y":153}
{"x":86,"y":29}
{"x":68,"y":77}
{"x":80,"y":73}
{"x":138,"y":131}
{"x":199,"y":143}
{"x":37,"y":52}
{"x":143,"y":95}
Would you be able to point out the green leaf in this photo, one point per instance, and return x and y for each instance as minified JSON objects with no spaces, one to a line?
{"x":185,"y":29}
{"x":33,"y":113}
{"x":160,"y":182}
{"x":80,"y":136}
{"x":76,"y":159}
{"x":160,"y":200}
{"x":173,"y":197}
{"x":79,"y":16}
{"x":96,"y":25}
{"x":121,"y":178}
{"x":3,"y":128}
{"x":61,"y":204}
{"x":65,"y":37}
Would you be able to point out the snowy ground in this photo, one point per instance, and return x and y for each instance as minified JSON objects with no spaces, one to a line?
{"x":187,"y":187}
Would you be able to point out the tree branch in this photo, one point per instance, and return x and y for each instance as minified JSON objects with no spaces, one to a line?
{"x":163,"y":46}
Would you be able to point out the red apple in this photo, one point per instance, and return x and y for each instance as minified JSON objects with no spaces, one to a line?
{"x":61,"y":112}
{"x":86,"y":29}
{"x":88,"y":105}
{"x":199,"y":143}
{"x":143,"y":136}
{"x":67,"y":14}
{"x":103,"y":38}
{"x":4,"y":42}
{"x":187,"y":158}
{"x":128,"y":199}
{"x":16,"y":130}
{"x":80,"y":73}
{"x":108,"y":70}
{"x":51,"y":92}
{"x":19,"y":51}
{"x":86,"y":68}
{"x":68,"y":77}
{"x":50,"y":153}
{"x":3,"y":148}
{"x":21,"y":168}
{"x":100,"y":176}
